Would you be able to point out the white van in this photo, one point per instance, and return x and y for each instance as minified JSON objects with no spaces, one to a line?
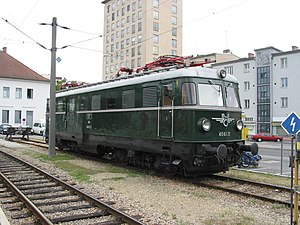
{"x":39,"y":128}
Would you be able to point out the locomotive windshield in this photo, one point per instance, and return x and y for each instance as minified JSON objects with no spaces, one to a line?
{"x":231,"y":96}
{"x":210,"y":94}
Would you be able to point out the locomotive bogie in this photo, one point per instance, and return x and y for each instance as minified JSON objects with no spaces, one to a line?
{"x":187,"y":120}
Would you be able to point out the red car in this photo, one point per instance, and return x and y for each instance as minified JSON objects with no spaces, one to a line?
{"x":266,"y":137}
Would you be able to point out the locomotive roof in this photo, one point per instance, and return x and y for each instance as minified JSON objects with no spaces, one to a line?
{"x":196,"y":72}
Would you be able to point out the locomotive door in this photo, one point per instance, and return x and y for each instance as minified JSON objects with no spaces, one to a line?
{"x":166,"y":111}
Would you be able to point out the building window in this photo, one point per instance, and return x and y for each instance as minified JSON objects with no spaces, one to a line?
{"x":133,"y":6}
{"x":246,"y":85}
{"x":283,"y":62}
{"x":6,"y":92}
{"x":284,"y":82}
{"x":133,"y":52}
{"x":247,"y":104}
{"x":132,"y":63}
{"x":174,"y":9}
{"x":133,"y":29}
{"x":18,"y":116}
{"x":174,"y":43}
{"x":284,"y":102}
{"x":5,"y":116}
{"x":133,"y":40}
{"x":18,"y":93}
{"x":140,"y":38}
{"x":155,"y":38}
{"x":30,"y":93}
{"x":174,"y":20}
{"x":139,"y":51}
{"x":155,"y":15}
{"x":174,"y":31}
{"x":139,"y":62}
{"x":155,"y":50}
{"x":155,"y":3}
{"x":128,"y":8}
{"x":140,"y":15}
{"x":155,"y":26}
{"x":229,"y":69}
{"x":263,"y":75}
{"x":139,"y":26}
{"x":174,"y":52}
{"x":246,"y":68}
{"x":133,"y":17}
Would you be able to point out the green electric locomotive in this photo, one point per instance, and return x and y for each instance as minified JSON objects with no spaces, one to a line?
{"x":185,"y":120}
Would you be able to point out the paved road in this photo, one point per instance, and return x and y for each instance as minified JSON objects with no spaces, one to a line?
{"x":271,"y":158}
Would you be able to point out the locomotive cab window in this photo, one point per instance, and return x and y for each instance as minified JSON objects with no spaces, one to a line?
{"x":232,"y":96}
{"x":188,"y":94}
{"x":210,"y":94}
{"x":167,"y":95}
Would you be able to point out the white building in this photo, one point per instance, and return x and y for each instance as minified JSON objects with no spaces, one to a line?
{"x":23,"y":92}
{"x":268,"y":87}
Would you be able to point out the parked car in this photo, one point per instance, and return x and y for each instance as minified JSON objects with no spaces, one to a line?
{"x":266,"y":137}
{"x":39,"y":128}
{"x":4,"y":128}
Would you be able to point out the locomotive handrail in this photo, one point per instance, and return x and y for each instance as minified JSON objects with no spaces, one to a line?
{"x":158,"y":117}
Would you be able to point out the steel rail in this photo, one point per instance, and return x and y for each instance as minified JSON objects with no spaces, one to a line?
{"x":115,"y":212}
{"x":40,"y":216}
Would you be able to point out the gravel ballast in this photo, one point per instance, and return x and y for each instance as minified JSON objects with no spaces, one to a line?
{"x":159,"y":200}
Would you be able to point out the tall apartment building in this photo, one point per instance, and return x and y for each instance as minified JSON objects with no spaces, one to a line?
{"x":269,"y":83}
{"x":138,"y":31}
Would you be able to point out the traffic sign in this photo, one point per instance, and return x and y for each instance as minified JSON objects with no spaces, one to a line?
{"x":291,"y":124}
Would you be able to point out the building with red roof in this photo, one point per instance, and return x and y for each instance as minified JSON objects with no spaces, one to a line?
{"x":23,"y":92}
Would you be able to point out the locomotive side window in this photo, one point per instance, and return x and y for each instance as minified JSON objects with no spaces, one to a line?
{"x":128,"y":99}
{"x":60,"y":106}
{"x":83,"y":103}
{"x":188,"y":94}
{"x":149,"y":97}
{"x":111,"y":101}
{"x":167,"y":95}
{"x":96,"y":102}
{"x":210,"y":94}
{"x":71,"y":105}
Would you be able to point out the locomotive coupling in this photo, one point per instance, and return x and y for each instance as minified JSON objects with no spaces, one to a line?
{"x":253,"y":148}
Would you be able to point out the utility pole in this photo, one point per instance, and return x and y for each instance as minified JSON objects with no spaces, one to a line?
{"x":52,"y":107}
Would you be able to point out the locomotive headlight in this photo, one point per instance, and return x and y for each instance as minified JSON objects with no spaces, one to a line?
{"x":239,"y":124}
{"x":204,"y":124}
{"x":222,"y":73}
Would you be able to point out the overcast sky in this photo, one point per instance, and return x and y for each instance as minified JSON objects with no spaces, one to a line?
{"x":208,"y":27}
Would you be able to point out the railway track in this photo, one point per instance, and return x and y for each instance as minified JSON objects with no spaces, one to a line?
{"x":263,"y":191}
{"x":258,"y":190}
{"x":49,"y":200}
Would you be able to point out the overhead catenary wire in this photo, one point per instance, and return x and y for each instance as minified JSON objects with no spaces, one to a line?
{"x":24,"y":34}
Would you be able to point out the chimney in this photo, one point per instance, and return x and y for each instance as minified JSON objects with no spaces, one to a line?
{"x":226,"y":51}
{"x":250,"y":55}
{"x":4,"y":49}
{"x":294,"y":48}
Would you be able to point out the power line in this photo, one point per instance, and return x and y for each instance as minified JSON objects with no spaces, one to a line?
{"x":25,"y":34}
